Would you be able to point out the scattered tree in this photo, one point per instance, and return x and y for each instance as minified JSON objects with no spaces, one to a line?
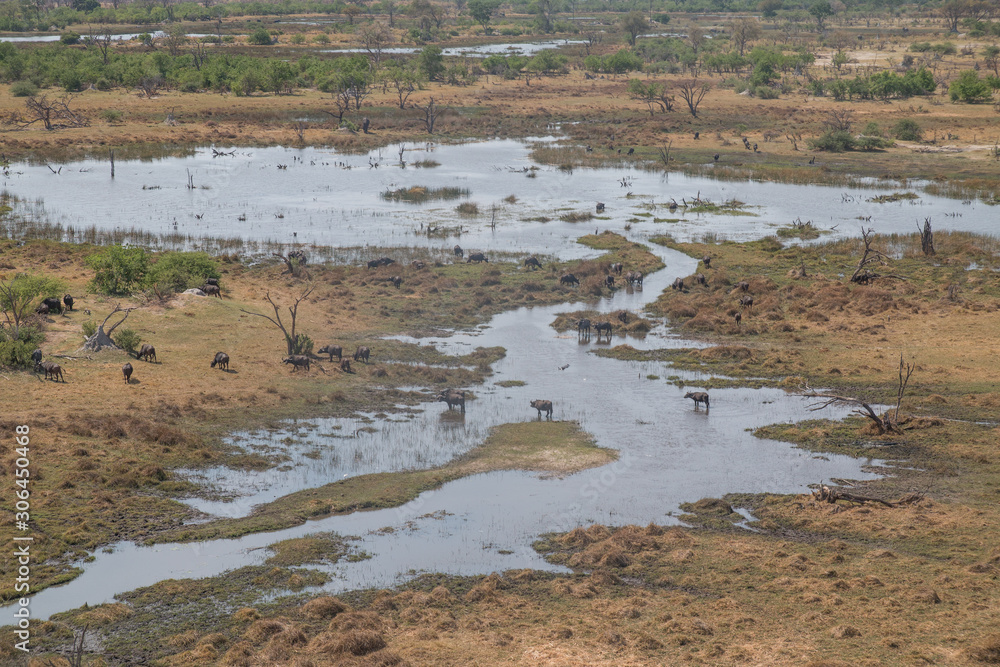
{"x":693,"y":92}
{"x":291,"y":339}
{"x":863,"y":275}
{"x":968,"y":87}
{"x":744,"y":31}
{"x":653,"y":95}
{"x":431,"y":114}
{"x":404,"y":80}
{"x":821,"y":10}
{"x":53,"y":114}
{"x":118,"y":270}
{"x":374,"y":37}
{"x":18,"y":299}
{"x":634,"y":24}
{"x":482,"y":12}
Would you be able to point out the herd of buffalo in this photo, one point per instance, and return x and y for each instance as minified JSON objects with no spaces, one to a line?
{"x":452,"y":397}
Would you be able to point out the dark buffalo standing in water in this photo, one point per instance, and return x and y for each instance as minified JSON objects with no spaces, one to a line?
{"x":583,"y":328}
{"x":453,"y":397}
{"x":542,"y":406}
{"x":634,"y":278}
{"x":127,"y":372}
{"x":146,"y":352}
{"x":568,"y":279}
{"x":332,"y":350}
{"x":603,"y":328}
{"x":362,"y":354}
{"x":221,"y":360}
{"x":297,"y":361}
{"x":609,"y":282}
{"x":477,"y":257}
{"x":68,"y":300}
{"x":459,"y":252}
{"x":698,"y":397}
{"x":532,"y":263}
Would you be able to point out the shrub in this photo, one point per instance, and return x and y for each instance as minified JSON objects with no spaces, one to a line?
{"x":15,"y":354}
{"x":180,"y":270}
{"x":968,"y":87}
{"x":836,"y":141}
{"x":907,"y":130}
{"x":303,"y":345}
{"x":89,"y":328}
{"x":872,"y":130}
{"x":23,"y":89}
{"x":118,"y":270}
{"x":321,"y":39}
{"x":111,"y":116}
{"x":260,"y":37}
{"x":298,"y":38}
{"x":766,"y":92}
{"x":69,"y":38}
{"x":127,"y":339}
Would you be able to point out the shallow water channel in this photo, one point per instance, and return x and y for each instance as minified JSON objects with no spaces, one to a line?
{"x":669,"y":453}
{"x":332,"y":199}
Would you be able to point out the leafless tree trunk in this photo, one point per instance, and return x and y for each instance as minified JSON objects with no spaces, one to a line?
{"x":927,"y":238}
{"x":101,"y":338}
{"x":289,"y":332}
{"x":862,"y":274}
{"x":431,"y":114}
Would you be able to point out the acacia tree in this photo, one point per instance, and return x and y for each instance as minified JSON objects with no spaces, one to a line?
{"x":693,"y":92}
{"x":291,"y":339}
{"x":821,"y":9}
{"x":744,"y":31}
{"x":653,"y":95}
{"x":52,"y":114}
{"x":955,"y":10}
{"x":402,"y":79}
{"x":634,"y":24}
{"x":17,"y":299}
{"x":374,"y":37}
{"x":482,"y":12}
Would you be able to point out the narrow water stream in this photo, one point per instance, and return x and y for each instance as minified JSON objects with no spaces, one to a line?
{"x":669,"y":453}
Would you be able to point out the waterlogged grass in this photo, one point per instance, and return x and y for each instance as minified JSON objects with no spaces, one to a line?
{"x":555,"y":448}
{"x":728,"y":207}
{"x":419,"y":194}
{"x":893,"y":197}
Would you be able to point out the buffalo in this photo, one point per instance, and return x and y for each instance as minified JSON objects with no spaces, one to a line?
{"x":678,"y":284}
{"x":477,"y":257}
{"x":617,"y":268}
{"x":68,"y":300}
{"x":297,"y":361}
{"x":603,"y":328}
{"x":542,"y":406}
{"x":221,"y":360}
{"x":332,"y":350}
{"x":36,"y":357}
{"x":634,"y":278}
{"x":345,"y":365}
{"x":600,"y":207}
{"x":54,"y":304}
{"x":700,"y":279}
{"x":623,"y":316}
{"x":742,"y":285}
{"x":453,"y":397}
{"x":746,"y":302}
{"x":396,"y":281}
{"x":146,"y":351}
{"x":707,"y":261}
{"x":212,"y":281}
{"x":362,"y":354}
{"x":52,"y":370}
{"x":300,"y":256}
{"x":211,"y":290}
{"x":532,"y":263}
{"x":738,"y":317}
{"x":698,"y":397}
{"x":583,"y":327}
{"x":381,"y":261}
{"x":417,"y":264}
{"x":568,"y":279}
{"x":43,"y":309}
{"x":458,"y":251}
{"x":127,"y":372}
{"x":609,"y":282}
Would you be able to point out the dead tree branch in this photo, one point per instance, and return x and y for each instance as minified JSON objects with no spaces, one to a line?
{"x":290,"y":336}
{"x":102,"y":338}
{"x":829,"y":495}
{"x":863,"y":275}
{"x":53,"y":114}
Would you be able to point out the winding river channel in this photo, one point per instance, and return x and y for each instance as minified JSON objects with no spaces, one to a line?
{"x":670,"y":453}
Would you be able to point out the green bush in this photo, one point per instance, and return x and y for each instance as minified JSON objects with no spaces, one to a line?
{"x":907,"y":130}
{"x":178,"y":271}
{"x":127,"y":340}
{"x":817,"y":88}
{"x":766,"y":92}
{"x":15,"y":354}
{"x":968,"y":87}
{"x":303,"y":345}
{"x":69,"y":38}
{"x":111,"y":116}
{"x":872,"y":129}
{"x":118,"y":270}
{"x":23,"y":89}
{"x":836,"y":141}
{"x":260,"y":37}
{"x":89,"y":328}
{"x":865,"y":143}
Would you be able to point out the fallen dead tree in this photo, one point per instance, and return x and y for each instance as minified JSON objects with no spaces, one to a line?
{"x":833,"y":495}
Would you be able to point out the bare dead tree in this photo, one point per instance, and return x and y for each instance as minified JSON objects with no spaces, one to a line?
{"x":863,"y":275}
{"x":53,"y":114}
{"x":102,"y":338}
{"x":290,"y":336}
{"x":102,"y":38}
{"x":693,"y":93}
{"x":926,"y":238}
{"x":431,"y":113}
{"x":839,"y":120}
{"x":830,"y":495}
{"x":888,"y":423}
{"x":76,"y":652}
{"x":295,"y":263}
